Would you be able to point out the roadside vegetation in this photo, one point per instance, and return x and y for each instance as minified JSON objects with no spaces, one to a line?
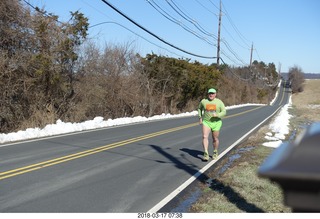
{"x":239,"y":188}
{"x":50,"y":70}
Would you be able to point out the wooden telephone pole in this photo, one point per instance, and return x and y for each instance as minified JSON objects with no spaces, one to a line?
{"x":218,"y":46}
{"x":251,"y":55}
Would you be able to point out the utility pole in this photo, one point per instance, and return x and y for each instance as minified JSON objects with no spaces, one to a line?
{"x":219,"y":27}
{"x":251,"y":55}
{"x":279,"y":71}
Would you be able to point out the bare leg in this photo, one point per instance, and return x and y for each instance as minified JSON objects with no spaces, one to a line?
{"x":215,"y":139}
{"x":205,"y":137}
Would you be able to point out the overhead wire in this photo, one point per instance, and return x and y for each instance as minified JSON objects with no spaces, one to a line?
{"x":116,"y":23}
{"x":182,"y":14}
{"x":169,"y":17}
{"x":46,"y":14}
{"x":233,"y":73}
{"x":186,"y":17}
{"x":189,"y":19}
{"x":42,"y":12}
{"x":223,"y":41}
{"x":241,"y":36}
{"x":179,"y":11}
{"x":112,"y":22}
{"x":226,"y":30}
{"x":232,"y":51}
{"x":256,"y":51}
{"x":234,"y":27}
{"x":152,"y":34}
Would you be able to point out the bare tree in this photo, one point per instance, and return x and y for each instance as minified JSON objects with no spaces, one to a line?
{"x":296,"y":79}
{"x":107,"y":84}
{"x":15,"y":45}
{"x":37,"y":57}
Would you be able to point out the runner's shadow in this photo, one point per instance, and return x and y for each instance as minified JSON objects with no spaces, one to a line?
{"x":233,"y":197}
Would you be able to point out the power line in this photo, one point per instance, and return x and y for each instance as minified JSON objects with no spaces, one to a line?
{"x":177,"y":9}
{"x":235,"y":28}
{"x":232,"y":51}
{"x":182,"y":13}
{"x":154,"y":35}
{"x":112,"y":22}
{"x":44,"y":13}
{"x":170,"y":18}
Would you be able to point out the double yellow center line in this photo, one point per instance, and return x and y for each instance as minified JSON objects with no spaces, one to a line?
{"x":25,"y":169}
{"x":37,"y":166}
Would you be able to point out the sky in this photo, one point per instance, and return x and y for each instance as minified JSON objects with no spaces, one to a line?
{"x":283,"y":32}
{"x":277,"y":133}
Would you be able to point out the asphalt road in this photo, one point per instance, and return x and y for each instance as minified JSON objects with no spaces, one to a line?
{"x":131,"y":168}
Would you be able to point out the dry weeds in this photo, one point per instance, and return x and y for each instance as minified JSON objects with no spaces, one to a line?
{"x":307,"y":103}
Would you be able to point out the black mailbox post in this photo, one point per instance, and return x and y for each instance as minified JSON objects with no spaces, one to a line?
{"x":296,"y":168}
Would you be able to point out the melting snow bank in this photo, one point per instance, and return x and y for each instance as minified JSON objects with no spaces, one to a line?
{"x":279,"y":127}
{"x":61,"y":127}
{"x":98,"y":122}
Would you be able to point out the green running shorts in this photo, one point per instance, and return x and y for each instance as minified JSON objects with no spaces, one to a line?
{"x":215,"y":126}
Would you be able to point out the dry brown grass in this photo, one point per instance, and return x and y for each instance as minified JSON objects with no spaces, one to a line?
{"x":307,"y":103}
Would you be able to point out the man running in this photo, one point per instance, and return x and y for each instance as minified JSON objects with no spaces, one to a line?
{"x":210,"y":112}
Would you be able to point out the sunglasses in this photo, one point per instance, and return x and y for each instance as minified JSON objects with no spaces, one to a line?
{"x":211,"y":93}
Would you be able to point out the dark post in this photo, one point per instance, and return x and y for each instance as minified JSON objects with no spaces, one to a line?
{"x":219,"y":29}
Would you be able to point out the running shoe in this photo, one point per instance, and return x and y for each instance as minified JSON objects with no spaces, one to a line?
{"x":206,"y":156}
{"x":215,"y":154}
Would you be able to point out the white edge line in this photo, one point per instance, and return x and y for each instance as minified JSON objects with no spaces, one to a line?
{"x":173,"y":194}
